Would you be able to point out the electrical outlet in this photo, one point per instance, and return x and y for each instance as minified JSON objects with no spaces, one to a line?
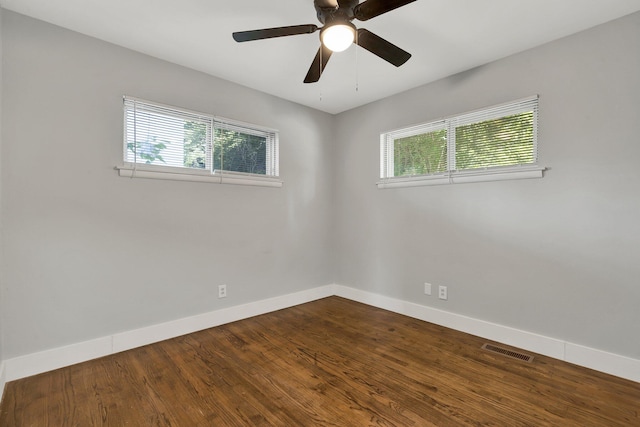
{"x":427,"y":288}
{"x":442,"y":292}
{"x":222,"y":291}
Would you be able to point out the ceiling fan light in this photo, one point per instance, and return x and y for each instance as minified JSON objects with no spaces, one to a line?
{"x":338,"y":37}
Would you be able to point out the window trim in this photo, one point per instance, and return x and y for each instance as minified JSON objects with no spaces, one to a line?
{"x":498,"y":173}
{"x":128,"y":170}
{"x":176,"y":173}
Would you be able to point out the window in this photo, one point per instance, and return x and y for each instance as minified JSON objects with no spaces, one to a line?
{"x":165,"y":142}
{"x":494,"y":143}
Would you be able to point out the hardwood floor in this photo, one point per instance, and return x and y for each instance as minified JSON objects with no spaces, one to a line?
{"x":331,"y":362}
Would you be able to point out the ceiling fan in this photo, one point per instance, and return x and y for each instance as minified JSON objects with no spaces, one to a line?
{"x":338,"y":33}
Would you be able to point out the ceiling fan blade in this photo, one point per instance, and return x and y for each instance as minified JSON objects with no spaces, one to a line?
{"x":372,"y":8}
{"x":318,"y":64}
{"x":384,"y":49}
{"x":267,"y":33}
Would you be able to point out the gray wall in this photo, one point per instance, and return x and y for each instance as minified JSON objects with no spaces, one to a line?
{"x":88,"y":253}
{"x":1,"y":227}
{"x":556,"y":256}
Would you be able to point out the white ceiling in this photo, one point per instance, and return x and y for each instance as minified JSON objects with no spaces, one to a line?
{"x":444,"y":37}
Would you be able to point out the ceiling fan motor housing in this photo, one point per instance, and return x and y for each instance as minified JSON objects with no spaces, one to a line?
{"x":341,"y":13}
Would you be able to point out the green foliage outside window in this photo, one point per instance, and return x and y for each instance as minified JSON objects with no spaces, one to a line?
{"x":195,"y":145}
{"x":422,"y":154}
{"x":239,"y":152}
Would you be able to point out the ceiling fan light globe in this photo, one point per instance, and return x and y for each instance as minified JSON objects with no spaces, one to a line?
{"x":338,"y":37}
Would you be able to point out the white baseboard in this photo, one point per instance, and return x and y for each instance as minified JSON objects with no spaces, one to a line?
{"x":610,"y":363}
{"x":48,"y":360}
{"x":143,"y":336}
{"x":613,"y":364}
{"x":3,"y":380}
{"x":506,"y":335}
{"x":35,"y":363}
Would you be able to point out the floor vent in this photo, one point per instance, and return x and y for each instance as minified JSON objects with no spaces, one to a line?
{"x":509,"y":353}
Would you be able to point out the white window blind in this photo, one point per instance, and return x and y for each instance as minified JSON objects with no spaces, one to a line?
{"x":166,"y":136}
{"x":488,"y":144}
{"x":504,"y":135}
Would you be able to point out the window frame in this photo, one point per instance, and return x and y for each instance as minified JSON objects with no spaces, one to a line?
{"x":451,"y":175}
{"x":271,"y":177}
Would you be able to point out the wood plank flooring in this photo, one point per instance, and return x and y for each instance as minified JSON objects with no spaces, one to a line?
{"x":331,"y":362}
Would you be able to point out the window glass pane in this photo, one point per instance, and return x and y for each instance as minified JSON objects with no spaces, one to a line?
{"x":421,"y":154}
{"x":240,"y":152}
{"x":505,"y":141}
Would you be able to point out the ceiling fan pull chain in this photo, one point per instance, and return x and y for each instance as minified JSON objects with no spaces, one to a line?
{"x":357,"y":41}
{"x":320,"y":69}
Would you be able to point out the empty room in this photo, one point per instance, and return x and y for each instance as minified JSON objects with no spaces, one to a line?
{"x":319,"y":213}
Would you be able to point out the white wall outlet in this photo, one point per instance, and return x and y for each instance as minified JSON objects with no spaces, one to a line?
{"x":427,"y":288}
{"x":222,"y":291}
{"x":442,"y":292}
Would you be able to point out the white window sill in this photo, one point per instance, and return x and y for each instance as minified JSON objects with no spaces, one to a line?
{"x":483,"y":175}
{"x":178,"y":174}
